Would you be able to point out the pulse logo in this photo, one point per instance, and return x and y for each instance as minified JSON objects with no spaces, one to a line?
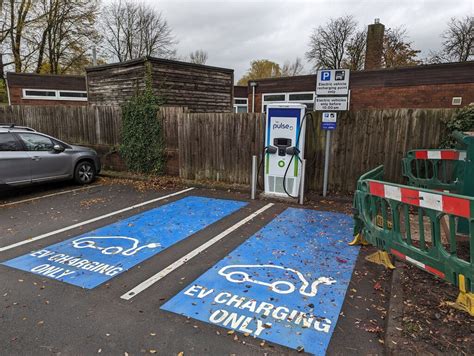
{"x":281,"y":125}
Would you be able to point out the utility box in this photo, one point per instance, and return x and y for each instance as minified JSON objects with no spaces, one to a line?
{"x":284,"y":148}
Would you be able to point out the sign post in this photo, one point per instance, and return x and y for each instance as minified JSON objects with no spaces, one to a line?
{"x":332,"y":94}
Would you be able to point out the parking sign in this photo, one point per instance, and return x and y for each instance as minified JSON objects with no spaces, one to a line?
{"x":332,"y":82}
{"x":325,"y":75}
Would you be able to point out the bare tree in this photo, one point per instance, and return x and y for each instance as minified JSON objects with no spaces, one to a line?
{"x":132,"y":30}
{"x":328,"y":44}
{"x":459,"y":39}
{"x":290,"y":69}
{"x":355,"y":48}
{"x":198,"y":57}
{"x":397,"y":51}
{"x":458,"y":42}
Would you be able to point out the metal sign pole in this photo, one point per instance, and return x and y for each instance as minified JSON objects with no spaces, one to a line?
{"x":326,"y":163}
{"x":254,"y":178}
{"x":303,"y":174}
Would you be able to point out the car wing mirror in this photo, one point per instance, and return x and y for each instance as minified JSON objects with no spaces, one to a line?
{"x":58,"y":148}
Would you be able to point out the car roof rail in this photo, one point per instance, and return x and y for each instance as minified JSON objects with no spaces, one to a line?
{"x":13,"y":126}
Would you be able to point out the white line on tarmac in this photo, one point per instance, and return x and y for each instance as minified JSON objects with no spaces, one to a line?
{"x":49,"y":195}
{"x":24,"y":242}
{"x":163,"y":273}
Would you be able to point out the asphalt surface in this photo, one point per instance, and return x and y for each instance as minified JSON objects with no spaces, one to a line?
{"x":45,"y":316}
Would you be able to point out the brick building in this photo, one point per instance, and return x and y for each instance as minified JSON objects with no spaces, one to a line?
{"x":41,"y":89}
{"x":448,"y":85}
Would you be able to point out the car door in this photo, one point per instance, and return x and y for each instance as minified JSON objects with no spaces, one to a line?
{"x":46,"y":163}
{"x":15,"y":163}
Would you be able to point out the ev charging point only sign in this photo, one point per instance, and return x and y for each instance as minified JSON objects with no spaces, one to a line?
{"x":332,"y":82}
{"x":93,"y":258}
{"x":285,"y":284}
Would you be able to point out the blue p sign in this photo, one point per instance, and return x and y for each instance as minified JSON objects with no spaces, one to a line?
{"x":325,"y":75}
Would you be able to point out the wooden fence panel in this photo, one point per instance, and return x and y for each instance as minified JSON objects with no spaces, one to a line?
{"x":76,"y":124}
{"x":368,"y":138}
{"x":219,"y":146}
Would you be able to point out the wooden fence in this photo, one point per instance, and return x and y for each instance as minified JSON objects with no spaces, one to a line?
{"x":75,"y":124}
{"x":219,"y":146}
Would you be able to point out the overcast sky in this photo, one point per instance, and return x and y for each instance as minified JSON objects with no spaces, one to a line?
{"x":236,"y":32}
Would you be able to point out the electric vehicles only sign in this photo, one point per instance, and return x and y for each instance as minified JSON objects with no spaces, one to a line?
{"x":285,"y":284}
{"x":332,"y":82}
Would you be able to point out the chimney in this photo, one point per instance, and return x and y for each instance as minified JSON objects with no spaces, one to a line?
{"x":374,"y":46}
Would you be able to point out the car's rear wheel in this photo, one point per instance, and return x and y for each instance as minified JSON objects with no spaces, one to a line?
{"x":84,"y":172}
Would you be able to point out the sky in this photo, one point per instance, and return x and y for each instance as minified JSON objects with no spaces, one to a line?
{"x":233,"y":33}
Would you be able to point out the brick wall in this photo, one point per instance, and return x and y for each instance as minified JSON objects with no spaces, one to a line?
{"x":16,"y":99}
{"x":415,"y":97}
{"x":417,"y":87}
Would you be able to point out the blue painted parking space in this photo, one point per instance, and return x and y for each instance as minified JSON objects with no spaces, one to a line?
{"x":94,"y":257}
{"x":285,"y":284}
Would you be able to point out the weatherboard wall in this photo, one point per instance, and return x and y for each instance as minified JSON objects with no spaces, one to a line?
{"x":200,"y":88}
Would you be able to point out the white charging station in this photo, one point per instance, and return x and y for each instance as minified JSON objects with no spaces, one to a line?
{"x":285,"y":129}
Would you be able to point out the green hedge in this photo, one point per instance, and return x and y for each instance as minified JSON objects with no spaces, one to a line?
{"x":463,"y":121}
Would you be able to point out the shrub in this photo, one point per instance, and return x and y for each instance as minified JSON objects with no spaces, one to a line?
{"x":463,"y":121}
{"x":142,"y":145}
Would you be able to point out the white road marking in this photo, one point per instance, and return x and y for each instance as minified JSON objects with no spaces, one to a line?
{"x":49,"y":195}
{"x":163,"y":273}
{"x":67,"y":228}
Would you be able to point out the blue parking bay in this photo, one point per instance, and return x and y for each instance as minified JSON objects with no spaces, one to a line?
{"x":285,"y":284}
{"x":94,"y":257}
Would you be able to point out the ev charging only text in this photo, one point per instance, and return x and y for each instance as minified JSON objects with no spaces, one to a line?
{"x":58,"y":272}
{"x":230,"y":307}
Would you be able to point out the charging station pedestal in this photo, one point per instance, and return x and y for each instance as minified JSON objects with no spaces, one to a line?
{"x":284,"y":148}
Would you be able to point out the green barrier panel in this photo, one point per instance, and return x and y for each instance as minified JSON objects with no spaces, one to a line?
{"x":451,"y":170}
{"x":435,"y":169}
{"x":384,"y":212}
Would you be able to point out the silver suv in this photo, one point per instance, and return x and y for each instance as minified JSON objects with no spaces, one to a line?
{"x":27,"y":157}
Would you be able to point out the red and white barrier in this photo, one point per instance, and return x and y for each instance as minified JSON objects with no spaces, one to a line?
{"x":439,"y":202}
{"x":452,"y":155}
{"x":417,"y":263}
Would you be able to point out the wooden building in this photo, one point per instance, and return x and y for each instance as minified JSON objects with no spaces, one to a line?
{"x":200,"y":88}
{"x":448,"y":85}
{"x":42,"y":89}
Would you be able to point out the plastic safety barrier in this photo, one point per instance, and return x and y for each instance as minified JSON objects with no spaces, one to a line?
{"x":435,"y":169}
{"x":385,"y":216}
{"x":451,"y":169}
